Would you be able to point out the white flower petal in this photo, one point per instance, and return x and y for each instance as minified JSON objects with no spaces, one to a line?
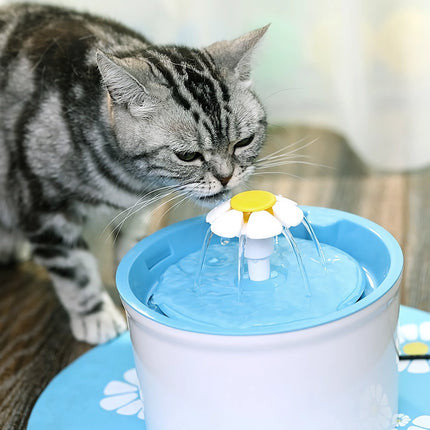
{"x":262,"y":225}
{"x":425,"y":330}
{"x":283,"y":199}
{"x":416,"y":428}
{"x":118,"y":387}
{"x":115,"y":402}
{"x":376,"y":393}
{"x":402,"y":365}
{"x":131,"y":377}
{"x":289,"y":215}
{"x":386,"y":413}
{"x":423,"y":421}
{"x":131,"y":409}
{"x":218,"y":211}
{"x":228,"y":224}
{"x":401,"y":420}
{"x":141,"y":414}
{"x":419,"y":366}
{"x":408,"y":331}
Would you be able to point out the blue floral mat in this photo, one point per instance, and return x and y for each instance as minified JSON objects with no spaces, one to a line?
{"x":100,"y":389}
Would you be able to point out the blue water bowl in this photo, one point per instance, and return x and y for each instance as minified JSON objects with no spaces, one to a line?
{"x":313,"y":374}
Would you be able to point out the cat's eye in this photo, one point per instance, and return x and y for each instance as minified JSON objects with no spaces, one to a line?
{"x":188,"y":156}
{"x":244,"y":142}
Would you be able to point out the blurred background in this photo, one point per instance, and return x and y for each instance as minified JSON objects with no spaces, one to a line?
{"x":357,"y":67}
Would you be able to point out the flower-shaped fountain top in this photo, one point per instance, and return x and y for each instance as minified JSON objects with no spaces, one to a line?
{"x":258,"y":216}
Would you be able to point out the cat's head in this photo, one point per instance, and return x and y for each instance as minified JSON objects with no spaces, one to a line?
{"x":187,"y":117}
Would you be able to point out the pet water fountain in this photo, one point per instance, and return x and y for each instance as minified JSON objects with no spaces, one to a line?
{"x":265,"y":315}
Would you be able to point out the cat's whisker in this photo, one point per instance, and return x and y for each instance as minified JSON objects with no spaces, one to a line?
{"x":290,"y":145}
{"x":139,"y":201}
{"x":289,"y":149}
{"x":144,"y":205}
{"x":277,"y":173}
{"x":170,"y":207}
{"x":185,"y":198}
{"x":285,"y":163}
{"x":286,"y":153}
{"x":306,"y":145}
{"x":283,"y":90}
{"x":134,"y":210}
{"x":281,"y":163}
{"x":281,"y":158}
{"x":116,"y":230}
{"x":140,"y":205}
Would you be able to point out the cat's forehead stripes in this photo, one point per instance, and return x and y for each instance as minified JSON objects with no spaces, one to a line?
{"x":195,"y":85}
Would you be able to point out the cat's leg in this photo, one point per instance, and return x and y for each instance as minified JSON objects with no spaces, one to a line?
{"x":14,"y":248}
{"x":58,"y":246}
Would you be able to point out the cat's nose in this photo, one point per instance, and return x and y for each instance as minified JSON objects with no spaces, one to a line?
{"x":225,"y":180}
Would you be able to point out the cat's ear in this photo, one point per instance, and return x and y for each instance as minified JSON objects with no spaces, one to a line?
{"x":234,"y":56}
{"x":128,"y":83}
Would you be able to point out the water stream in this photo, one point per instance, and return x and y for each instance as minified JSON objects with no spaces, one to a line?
{"x":206,"y":243}
{"x":307,"y":280}
{"x":287,"y":234}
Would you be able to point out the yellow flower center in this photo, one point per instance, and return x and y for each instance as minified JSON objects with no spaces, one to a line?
{"x":253,"y":201}
{"x":415,"y":348}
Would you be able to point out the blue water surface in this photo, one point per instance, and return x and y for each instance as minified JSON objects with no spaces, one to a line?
{"x":214,"y":298}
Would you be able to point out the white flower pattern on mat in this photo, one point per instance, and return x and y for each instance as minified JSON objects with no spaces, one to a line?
{"x":400,"y":420}
{"x":420,"y":423}
{"x":376,"y":411}
{"x":124,"y":397}
{"x":415,"y":336}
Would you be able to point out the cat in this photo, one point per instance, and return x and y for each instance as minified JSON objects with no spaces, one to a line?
{"x":94,"y":115}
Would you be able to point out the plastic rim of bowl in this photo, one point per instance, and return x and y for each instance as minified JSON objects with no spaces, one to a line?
{"x":317,"y":216}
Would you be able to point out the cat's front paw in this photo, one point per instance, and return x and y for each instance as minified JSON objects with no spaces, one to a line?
{"x":100,"y":326}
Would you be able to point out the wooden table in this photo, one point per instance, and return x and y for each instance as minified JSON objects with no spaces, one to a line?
{"x":35,"y":341}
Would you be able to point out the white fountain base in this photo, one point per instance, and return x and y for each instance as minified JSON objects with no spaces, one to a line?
{"x":317,"y":376}
{"x":99,"y":390}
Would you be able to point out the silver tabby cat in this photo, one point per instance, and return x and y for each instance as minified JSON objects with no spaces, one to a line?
{"x":92,"y":114}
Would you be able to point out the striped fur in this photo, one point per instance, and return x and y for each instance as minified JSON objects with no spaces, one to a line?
{"x":92,"y":114}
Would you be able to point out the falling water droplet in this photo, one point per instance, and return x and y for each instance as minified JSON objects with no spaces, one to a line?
{"x":316,"y":242}
{"x":206,"y":242}
{"x":240,"y":262}
{"x":286,"y":232}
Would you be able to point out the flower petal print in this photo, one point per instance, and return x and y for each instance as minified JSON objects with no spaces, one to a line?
{"x":376,"y":411}
{"x":414,"y":337}
{"x":420,"y":423}
{"x":400,"y":420}
{"x":123,"y":397}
